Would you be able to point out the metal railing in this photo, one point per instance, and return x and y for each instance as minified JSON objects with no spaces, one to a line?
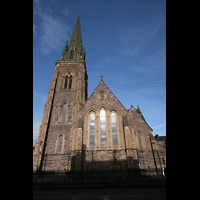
{"x":78,"y":178}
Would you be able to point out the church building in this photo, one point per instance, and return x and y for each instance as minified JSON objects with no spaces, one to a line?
{"x":98,"y":133}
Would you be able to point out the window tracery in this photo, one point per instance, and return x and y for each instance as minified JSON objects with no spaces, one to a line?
{"x":102,"y":129}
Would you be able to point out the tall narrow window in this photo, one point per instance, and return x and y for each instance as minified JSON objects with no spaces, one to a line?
{"x":70,"y":82}
{"x":140,"y":142}
{"x":92,"y":130}
{"x":64,"y":113}
{"x":114,"y":130}
{"x":66,"y":82}
{"x":163,"y":160}
{"x":72,"y":54}
{"x":60,"y":141}
{"x":103,"y":128}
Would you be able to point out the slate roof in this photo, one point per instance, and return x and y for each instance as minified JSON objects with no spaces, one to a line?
{"x":160,"y":138}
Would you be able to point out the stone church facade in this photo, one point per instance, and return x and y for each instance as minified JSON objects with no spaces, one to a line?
{"x":78,"y":133}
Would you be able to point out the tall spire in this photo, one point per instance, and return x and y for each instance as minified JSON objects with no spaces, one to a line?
{"x":74,"y":50}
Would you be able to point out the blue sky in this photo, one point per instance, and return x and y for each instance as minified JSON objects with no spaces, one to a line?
{"x":125,"y":41}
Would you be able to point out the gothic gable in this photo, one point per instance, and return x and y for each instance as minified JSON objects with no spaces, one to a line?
{"x":103,"y":97}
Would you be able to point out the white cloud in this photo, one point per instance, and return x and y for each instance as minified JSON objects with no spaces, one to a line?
{"x":159,"y":125}
{"x":51,"y":31}
{"x":53,"y":34}
{"x":36,"y":127}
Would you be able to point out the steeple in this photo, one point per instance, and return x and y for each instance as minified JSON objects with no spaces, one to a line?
{"x":74,"y":50}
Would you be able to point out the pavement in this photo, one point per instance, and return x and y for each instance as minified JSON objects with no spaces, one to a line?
{"x":153,"y":182}
{"x":101,"y":194}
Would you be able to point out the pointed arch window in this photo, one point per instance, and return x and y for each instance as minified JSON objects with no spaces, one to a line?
{"x":64,"y":113}
{"x":72,"y":54}
{"x":114,"y":129}
{"x":60,"y":143}
{"x":68,"y":81}
{"x":103,"y":128}
{"x":92,"y":130}
{"x":140,"y":142}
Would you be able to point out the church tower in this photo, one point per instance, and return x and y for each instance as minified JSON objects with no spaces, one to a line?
{"x":67,"y":94}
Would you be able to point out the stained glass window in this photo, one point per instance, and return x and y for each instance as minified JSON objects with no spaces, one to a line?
{"x":103,"y":128}
{"x":114,"y":130}
{"x":64,"y":113}
{"x":92,"y":130}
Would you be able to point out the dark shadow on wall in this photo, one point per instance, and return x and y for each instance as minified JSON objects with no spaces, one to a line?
{"x":107,"y":162}
{"x":103,"y":163}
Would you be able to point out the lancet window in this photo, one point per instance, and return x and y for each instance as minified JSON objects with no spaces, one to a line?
{"x":92,"y":130}
{"x":114,"y":129}
{"x":103,"y":128}
{"x":60,"y":144}
{"x":64,"y":113}
{"x":72,"y":54}
{"x":68,"y":81}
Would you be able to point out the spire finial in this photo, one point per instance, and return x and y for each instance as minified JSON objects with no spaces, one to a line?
{"x":101,"y":78}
